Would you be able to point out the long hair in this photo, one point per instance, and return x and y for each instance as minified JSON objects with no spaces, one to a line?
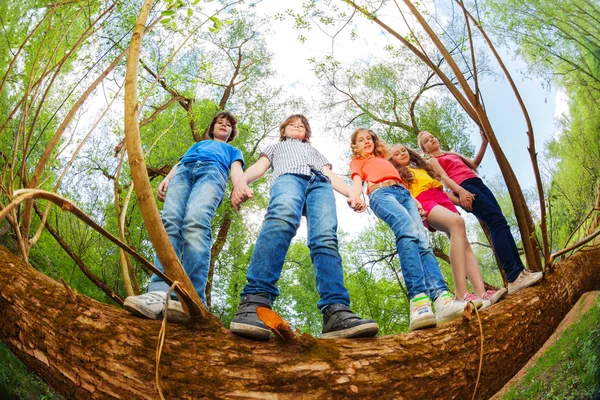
{"x":291,"y":119}
{"x":379,"y":145}
{"x":415,"y":161}
{"x":232,"y":120}
{"x":464,"y":159}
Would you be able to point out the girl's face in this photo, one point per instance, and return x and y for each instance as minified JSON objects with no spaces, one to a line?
{"x":364,"y":143}
{"x":222,"y":129}
{"x":295,"y":130}
{"x":400,"y":156}
{"x":429,"y":143}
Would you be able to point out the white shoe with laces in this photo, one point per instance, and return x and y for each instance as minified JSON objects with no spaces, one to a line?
{"x":421,"y":314}
{"x":150,"y":305}
{"x":447,"y":308}
{"x":525,"y":279}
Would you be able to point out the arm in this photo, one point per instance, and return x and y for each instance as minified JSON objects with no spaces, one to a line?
{"x":481,"y":152}
{"x":241,"y":192}
{"x":357,"y":203}
{"x":465,"y":197}
{"x":236,"y":172}
{"x":164,"y":185}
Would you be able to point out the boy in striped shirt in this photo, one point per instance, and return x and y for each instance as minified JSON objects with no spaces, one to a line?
{"x":301,"y":184}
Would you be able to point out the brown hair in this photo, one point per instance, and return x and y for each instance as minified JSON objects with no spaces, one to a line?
{"x":291,"y":119}
{"x":380,"y":146}
{"x":416,"y":161}
{"x":464,"y":159}
{"x":209,"y":133}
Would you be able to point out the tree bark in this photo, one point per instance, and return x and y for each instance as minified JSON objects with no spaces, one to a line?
{"x":89,"y":350}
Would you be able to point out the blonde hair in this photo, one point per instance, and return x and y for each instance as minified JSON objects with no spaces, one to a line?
{"x":381,"y":149}
{"x":468,"y":162}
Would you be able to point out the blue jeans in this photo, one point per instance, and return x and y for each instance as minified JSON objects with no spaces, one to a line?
{"x":193,"y":195}
{"x":486,"y":208}
{"x":395,"y":206}
{"x":291,"y":197}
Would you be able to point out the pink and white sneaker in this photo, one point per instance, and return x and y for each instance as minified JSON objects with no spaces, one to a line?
{"x":493,"y":296}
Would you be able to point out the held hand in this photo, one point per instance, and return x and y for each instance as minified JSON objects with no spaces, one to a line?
{"x":422,"y":211}
{"x":357,"y":204}
{"x":162,"y":189}
{"x":466,"y":199}
{"x":240,"y":194}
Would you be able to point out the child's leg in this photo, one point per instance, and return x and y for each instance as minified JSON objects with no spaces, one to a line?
{"x":486,"y":208}
{"x":474,"y":272}
{"x":206,"y":195}
{"x":323,"y":243}
{"x":434,"y":281}
{"x":386,"y":204}
{"x":453,"y":225}
{"x":278,"y":229}
{"x":173,"y":213}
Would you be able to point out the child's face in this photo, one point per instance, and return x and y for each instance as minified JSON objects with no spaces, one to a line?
{"x":295,"y":130}
{"x":364,"y":143}
{"x":222,"y":130}
{"x":429,"y":143}
{"x":400,"y":156}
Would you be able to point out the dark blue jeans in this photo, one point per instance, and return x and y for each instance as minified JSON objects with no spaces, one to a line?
{"x":486,"y":208}
{"x":292,"y":196}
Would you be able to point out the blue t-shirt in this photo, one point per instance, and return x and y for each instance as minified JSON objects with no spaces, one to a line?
{"x":222,"y":154}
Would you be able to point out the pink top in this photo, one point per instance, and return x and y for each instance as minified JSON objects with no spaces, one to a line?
{"x":455,"y":168}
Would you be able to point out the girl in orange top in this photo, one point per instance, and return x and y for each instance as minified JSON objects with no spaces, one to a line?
{"x":441,"y":214}
{"x":391,"y":202}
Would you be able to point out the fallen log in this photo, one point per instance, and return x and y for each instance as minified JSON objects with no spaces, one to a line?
{"x":88,"y":350}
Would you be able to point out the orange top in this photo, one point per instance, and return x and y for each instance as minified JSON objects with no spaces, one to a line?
{"x":374,"y":169}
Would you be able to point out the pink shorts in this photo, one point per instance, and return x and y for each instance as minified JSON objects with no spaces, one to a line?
{"x":435,"y":197}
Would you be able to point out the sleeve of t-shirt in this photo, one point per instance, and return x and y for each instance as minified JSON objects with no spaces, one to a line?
{"x":268,"y":152}
{"x":236,"y":155}
{"x":322,"y":160}
{"x":355,"y":169}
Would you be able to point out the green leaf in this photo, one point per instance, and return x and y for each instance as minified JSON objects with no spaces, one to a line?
{"x":167,"y":13}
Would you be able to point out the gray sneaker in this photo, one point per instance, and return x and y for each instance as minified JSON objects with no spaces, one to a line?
{"x":340,"y":322}
{"x":525,"y":279}
{"x":151,"y":305}
{"x":246,"y":323}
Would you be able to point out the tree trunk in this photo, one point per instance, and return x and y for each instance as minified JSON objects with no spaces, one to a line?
{"x":89,"y":350}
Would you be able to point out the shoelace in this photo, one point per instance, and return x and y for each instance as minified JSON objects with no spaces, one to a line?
{"x":153,"y":298}
{"x":421,"y":306}
{"x":488,"y":294}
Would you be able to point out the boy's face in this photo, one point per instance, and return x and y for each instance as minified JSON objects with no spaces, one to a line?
{"x":295,"y":130}
{"x":222,"y":129}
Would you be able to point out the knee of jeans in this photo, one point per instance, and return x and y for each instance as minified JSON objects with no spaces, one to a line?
{"x":323,"y":240}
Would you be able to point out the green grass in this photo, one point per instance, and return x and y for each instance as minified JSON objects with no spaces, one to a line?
{"x":17,"y":383}
{"x":570,"y":369}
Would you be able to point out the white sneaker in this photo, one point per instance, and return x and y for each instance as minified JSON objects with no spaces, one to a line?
{"x":151,"y":304}
{"x":525,"y":279}
{"x":447,"y":309}
{"x":421,"y":315}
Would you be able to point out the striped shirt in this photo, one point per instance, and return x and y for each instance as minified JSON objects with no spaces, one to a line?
{"x":293,"y":156}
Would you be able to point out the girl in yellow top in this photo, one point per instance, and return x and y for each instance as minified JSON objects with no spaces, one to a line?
{"x":442,"y":215}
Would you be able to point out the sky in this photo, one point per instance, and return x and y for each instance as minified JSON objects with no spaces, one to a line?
{"x":294,"y":72}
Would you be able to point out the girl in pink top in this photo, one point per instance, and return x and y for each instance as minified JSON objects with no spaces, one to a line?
{"x":392,"y":203}
{"x":441,"y":214}
{"x":458,"y":174}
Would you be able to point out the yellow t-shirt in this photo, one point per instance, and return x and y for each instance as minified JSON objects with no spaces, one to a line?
{"x":422,"y":182}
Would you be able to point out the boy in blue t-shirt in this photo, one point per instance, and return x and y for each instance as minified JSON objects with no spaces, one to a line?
{"x":196,"y":188}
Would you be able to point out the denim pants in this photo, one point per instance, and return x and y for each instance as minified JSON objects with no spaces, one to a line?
{"x":395,"y":206}
{"x":193,"y":196}
{"x":486,"y":208}
{"x":291,"y":197}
